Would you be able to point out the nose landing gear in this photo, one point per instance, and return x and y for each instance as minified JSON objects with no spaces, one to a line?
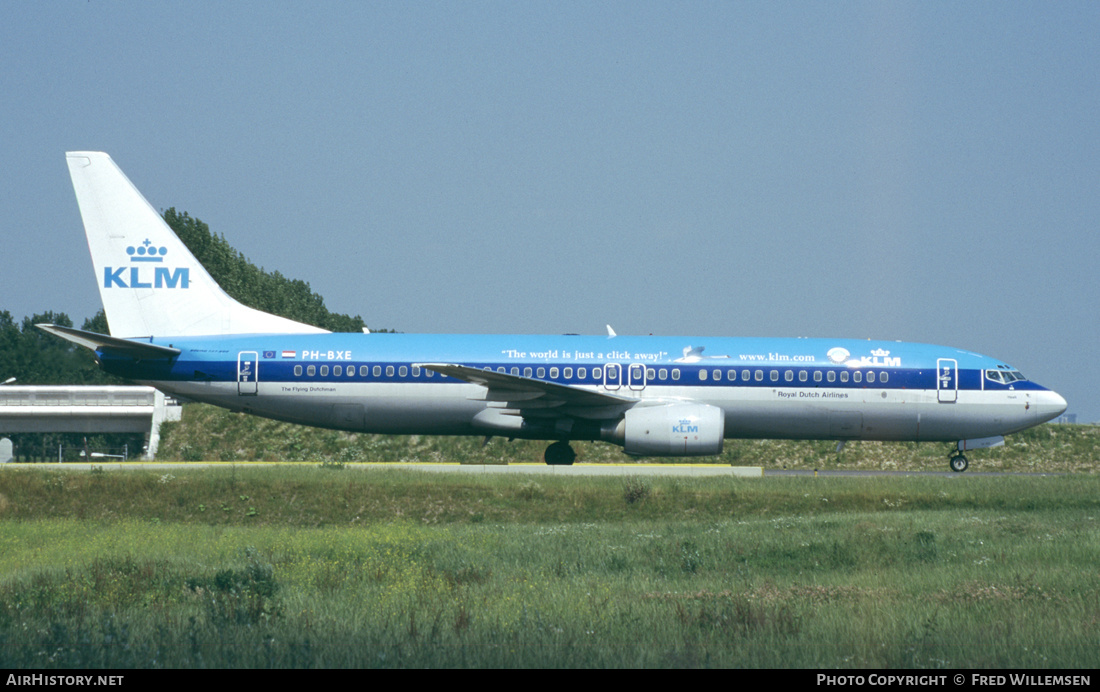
{"x":958,"y":463}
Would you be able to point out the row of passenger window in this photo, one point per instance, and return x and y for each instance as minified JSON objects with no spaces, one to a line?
{"x":364,"y":371}
{"x":403,"y":371}
{"x":844,"y":376}
{"x":614,"y":373}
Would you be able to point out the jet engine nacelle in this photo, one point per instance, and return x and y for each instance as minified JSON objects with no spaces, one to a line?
{"x":673,"y":431}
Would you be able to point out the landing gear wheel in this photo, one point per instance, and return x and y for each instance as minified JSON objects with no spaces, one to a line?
{"x":559,"y":454}
{"x":958,"y":463}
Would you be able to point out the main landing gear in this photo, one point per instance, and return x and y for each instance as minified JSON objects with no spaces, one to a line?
{"x":559,"y":454}
{"x":958,"y":463}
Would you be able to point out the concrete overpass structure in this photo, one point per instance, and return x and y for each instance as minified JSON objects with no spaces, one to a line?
{"x":87,"y":409}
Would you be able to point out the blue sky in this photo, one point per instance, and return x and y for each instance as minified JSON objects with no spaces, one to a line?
{"x":915,"y":171}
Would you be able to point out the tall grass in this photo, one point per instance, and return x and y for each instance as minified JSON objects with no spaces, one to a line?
{"x":207,"y":433}
{"x":315,"y":496}
{"x":387,"y":569}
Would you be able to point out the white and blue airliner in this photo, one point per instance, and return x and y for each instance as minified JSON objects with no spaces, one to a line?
{"x":174,"y":328}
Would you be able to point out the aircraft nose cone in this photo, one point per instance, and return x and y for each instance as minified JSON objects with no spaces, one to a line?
{"x":1050,"y":405}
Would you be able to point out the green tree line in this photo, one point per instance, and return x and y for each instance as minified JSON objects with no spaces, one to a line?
{"x":268,"y":291}
{"x":34,"y":357}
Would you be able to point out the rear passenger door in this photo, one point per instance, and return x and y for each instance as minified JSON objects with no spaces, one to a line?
{"x":248,"y":372}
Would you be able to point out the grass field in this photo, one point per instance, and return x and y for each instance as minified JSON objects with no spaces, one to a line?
{"x":207,"y":433}
{"x":323,"y":566}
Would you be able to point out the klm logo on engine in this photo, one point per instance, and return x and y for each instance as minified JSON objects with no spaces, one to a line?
{"x":141,"y":272}
{"x":685,"y":426}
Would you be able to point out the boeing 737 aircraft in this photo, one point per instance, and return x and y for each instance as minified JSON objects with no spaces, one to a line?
{"x":173,"y":328}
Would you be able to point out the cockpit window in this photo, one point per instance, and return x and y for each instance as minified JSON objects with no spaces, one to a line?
{"x":1004,"y":376}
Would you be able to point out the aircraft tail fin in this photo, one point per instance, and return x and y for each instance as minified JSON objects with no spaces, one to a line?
{"x":150,"y":283}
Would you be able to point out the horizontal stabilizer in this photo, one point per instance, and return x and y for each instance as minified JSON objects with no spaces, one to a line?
{"x":110,"y":345}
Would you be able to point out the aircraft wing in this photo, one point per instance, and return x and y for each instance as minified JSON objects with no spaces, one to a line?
{"x":533,"y":398}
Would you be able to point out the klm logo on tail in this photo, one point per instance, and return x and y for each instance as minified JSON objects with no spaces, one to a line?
{"x":139,"y":274}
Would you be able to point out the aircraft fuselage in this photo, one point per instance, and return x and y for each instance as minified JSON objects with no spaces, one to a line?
{"x":766,"y":388}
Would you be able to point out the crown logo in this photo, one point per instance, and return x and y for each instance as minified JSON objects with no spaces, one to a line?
{"x":146,"y":252}
{"x":880,"y":353}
